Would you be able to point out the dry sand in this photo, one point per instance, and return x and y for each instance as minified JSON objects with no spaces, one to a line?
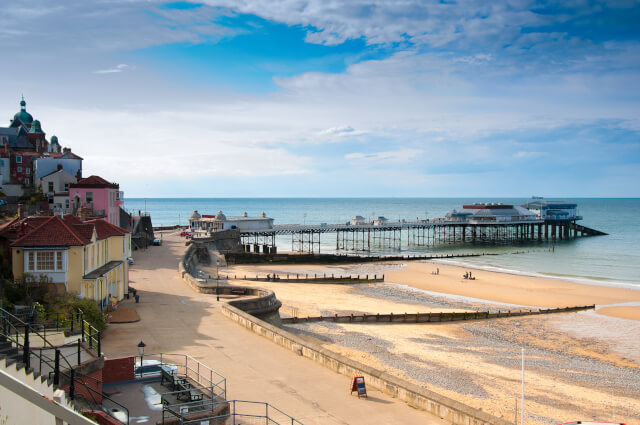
{"x":579,"y":366}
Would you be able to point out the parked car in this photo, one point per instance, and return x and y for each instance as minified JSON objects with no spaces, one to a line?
{"x":185,"y":233}
{"x":151,"y":368}
{"x":157,"y":242}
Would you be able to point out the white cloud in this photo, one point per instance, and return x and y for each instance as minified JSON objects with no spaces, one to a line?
{"x":118,"y":68}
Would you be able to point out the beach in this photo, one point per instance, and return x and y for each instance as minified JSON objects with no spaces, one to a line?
{"x":578,"y":365}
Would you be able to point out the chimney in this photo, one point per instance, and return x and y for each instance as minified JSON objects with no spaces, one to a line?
{"x":59,"y":167}
{"x":20,"y":210}
{"x":82,"y":213}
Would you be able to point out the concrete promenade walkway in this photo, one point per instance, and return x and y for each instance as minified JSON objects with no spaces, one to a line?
{"x":174,"y":319}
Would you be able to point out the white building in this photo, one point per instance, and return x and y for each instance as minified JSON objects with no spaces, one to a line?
{"x":380,"y":221}
{"x":50,"y":163}
{"x":358,"y":220}
{"x":215,"y":223}
{"x":554,"y":210}
{"x":56,"y":186}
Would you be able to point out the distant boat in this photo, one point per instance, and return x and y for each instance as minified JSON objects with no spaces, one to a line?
{"x":537,"y":197}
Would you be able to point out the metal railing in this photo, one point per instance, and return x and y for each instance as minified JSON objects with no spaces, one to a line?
{"x":244,"y":412}
{"x":186,"y":366}
{"x":13,"y":329}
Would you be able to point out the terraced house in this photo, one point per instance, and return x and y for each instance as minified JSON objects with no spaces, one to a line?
{"x":85,"y":258}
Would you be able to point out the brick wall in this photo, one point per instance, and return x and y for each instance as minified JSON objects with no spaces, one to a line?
{"x":118,"y":369}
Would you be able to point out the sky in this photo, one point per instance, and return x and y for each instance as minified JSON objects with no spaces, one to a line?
{"x":326,"y":98}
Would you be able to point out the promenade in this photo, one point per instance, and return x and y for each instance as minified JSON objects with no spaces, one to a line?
{"x":174,"y":319}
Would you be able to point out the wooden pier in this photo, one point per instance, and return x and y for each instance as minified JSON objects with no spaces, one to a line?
{"x":407,"y":235}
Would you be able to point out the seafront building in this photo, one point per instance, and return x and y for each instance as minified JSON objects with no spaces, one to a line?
{"x":84,"y":258}
{"x":96,"y":197}
{"x":26,"y":155}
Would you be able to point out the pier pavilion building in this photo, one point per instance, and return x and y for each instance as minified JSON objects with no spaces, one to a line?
{"x":218,"y":222}
{"x":552,"y":211}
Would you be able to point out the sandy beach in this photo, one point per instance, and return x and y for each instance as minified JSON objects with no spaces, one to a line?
{"x":579,"y":365}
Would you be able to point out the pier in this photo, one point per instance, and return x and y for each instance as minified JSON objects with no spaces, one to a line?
{"x":405,"y":235}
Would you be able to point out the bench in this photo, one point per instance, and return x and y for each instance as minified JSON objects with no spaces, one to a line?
{"x":187,"y":392}
{"x":174,"y":380}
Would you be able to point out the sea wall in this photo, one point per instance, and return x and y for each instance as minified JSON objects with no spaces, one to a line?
{"x":448,"y":409}
{"x":259,"y":302}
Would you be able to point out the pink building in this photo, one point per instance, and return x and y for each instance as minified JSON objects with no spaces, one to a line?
{"x":96,"y":197}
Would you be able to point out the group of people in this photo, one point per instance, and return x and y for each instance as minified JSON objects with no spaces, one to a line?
{"x":468,"y":275}
{"x":436,"y":272}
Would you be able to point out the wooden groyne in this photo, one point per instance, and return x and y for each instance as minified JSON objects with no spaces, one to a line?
{"x":431,"y":317}
{"x":306,"y":278}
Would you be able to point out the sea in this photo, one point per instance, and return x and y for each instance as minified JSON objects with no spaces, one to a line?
{"x":613,"y":259}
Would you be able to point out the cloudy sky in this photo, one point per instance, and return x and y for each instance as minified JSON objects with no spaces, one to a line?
{"x":306,"y":98}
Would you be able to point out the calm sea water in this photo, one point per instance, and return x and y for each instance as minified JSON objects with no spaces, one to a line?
{"x":612,"y":259}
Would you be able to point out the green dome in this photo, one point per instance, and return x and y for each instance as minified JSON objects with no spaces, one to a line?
{"x":54,"y":140}
{"x":35,"y":127}
{"x":23,"y":116}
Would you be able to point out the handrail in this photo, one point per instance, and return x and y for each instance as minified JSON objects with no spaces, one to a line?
{"x":70,"y":376}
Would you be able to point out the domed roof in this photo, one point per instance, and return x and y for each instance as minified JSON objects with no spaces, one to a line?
{"x":23,"y":116}
{"x":220,"y":216}
{"x":35,"y":127}
{"x":195,"y":216}
{"x":54,"y":141}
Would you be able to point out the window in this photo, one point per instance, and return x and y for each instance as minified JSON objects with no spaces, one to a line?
{"x":31,"y":260}
{"x":49,"y":261}
{"x":19,"y":159}
{"x":50,"y":186}
{"x":27,"y":181}
{"x":66,"y":203}
{"x":28,"y":171}
{"x":89,"y":197}
{"x":19,"y":169}
{"x":66,"y":187}
{"x":45,"y":260}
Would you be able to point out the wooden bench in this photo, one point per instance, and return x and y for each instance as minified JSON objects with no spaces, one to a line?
{"x":173,"y":379}
{"x":186,"y":392}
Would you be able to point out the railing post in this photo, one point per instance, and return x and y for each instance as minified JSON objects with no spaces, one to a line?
{"x":79,"y":348}
{"x":100,"y":344}
{"x":72,"y":387}
{"x":56,"y":369}
{"x":82,"y":327}
{"x":26,"y":354}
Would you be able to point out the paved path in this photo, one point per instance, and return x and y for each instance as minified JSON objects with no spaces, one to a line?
{"x":174,"y":319}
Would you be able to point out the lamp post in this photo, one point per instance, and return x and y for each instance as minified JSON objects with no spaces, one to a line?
{"x":141,"y":346}
{"x":217,"y":280}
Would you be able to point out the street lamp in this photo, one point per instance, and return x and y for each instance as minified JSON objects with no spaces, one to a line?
{"x":141,"y":346}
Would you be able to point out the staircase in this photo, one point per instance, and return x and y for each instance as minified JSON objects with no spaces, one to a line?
{"x":27,"y":355}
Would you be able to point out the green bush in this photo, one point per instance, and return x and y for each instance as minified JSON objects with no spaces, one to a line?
{"x":69,"y":304}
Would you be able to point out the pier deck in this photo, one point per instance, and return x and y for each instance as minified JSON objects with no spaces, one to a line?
{"x":401,"y":235}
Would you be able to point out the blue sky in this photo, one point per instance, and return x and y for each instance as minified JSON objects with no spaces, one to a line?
{"x":333,"y":98}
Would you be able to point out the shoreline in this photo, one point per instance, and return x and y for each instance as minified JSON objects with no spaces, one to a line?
{"x":563,"y":278}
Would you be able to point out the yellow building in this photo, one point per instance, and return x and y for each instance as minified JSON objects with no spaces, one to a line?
{"x":84,"y":258}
